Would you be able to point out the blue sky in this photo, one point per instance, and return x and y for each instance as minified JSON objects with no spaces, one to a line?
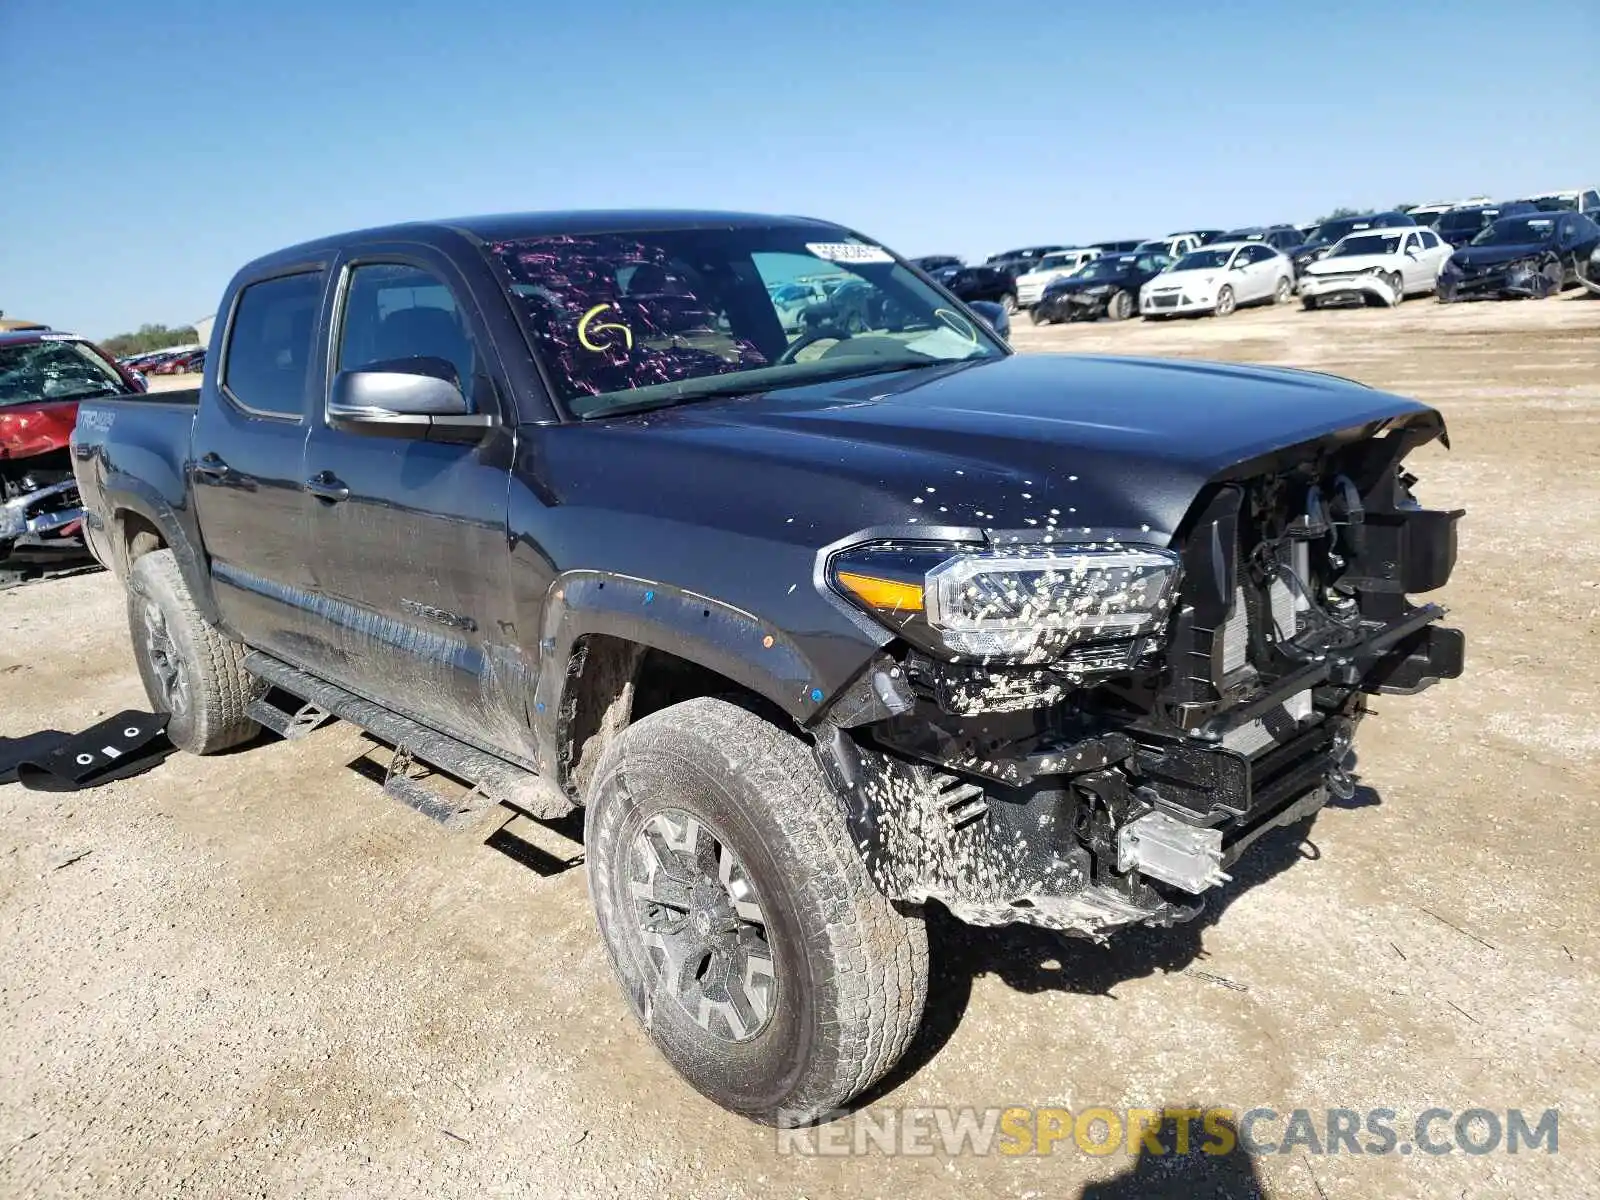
{"x":149,"y":150}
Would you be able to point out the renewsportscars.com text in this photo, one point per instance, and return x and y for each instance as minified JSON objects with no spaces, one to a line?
{"x":1100,"y":1130}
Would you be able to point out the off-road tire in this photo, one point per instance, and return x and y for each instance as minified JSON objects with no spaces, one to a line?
{"x":218,"y":688}
{"x":851,"y":970}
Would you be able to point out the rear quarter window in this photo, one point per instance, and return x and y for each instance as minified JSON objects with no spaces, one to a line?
{"x":270,"y":342}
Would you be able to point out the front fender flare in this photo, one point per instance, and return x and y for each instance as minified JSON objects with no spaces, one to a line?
{"x":712,"y":634}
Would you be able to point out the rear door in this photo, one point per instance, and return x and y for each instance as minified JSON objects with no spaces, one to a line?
{"x":249,"y":437}
{"x":408,"y":543}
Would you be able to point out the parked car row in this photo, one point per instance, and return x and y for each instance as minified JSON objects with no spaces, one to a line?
{"x":1469,"y":248}
{"x":183,"y":360}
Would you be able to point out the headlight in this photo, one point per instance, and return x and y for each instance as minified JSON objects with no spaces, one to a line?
{"x":1099,"y":289}
{"x":1010,"y":605}
{"x":1523,"y":266}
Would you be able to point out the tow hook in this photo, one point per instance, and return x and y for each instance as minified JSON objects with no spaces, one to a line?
{"x":1340,"y":783}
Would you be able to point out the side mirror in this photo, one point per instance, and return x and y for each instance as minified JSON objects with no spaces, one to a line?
{"x":407,"y":398}
{"x":994,"y":316}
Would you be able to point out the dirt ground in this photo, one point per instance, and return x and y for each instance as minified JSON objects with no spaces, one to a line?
{"x":255,"y":975}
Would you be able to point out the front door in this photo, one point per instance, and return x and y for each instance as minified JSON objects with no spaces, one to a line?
{"x":249,"y":436}
{"x":408,"y":537}
{"x":1259,"y":277}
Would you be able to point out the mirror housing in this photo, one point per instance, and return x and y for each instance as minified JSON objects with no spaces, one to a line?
{"x":407,"y":398}
{"x":994,"y":316}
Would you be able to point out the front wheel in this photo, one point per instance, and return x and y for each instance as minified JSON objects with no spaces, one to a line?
{"x":1120,"y":306}
{"x":1225,"y":302}
{"x":1009,"y":303}
{"x":741,"y":923}
{"x":1397,"y":282}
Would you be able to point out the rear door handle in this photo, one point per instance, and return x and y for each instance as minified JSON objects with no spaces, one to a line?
{"x":324,"y":485}
{"x":212,"y":466}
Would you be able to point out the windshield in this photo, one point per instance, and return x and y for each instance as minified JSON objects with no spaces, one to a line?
{"x":1056,"y":262}
{"x":1107,"y":267}
{"x":54,"y":370}
{"x":653,"y":317}
{"x":1517,"y":231}
{"x":1468,"y":220}
{"x":1555,"y":203}
{"x":1332,"y":231}
{"x":1367,"y":243}
{"x":1204,"y":260}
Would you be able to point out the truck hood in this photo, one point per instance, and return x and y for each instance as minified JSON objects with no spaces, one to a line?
{"x":1035,"y":444}
{"x":36,"y":427}
{"x":1496,"y":256}
{"x":1346,"y":264}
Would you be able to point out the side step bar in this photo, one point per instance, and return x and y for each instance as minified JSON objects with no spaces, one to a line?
{"x":495,"y":781}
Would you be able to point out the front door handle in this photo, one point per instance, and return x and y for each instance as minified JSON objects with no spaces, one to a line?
{"x":324,"y":485}
{"x":212,"y":467}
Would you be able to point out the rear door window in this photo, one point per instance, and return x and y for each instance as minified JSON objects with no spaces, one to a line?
{"x":270,"y":344}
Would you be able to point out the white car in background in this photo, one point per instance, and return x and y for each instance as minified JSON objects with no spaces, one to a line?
{"x":1175,"y":245}
{"x":1055,"y":265}
{"x":1218,"y":279}
{"x":1385,"y":265}
{"x":1429,"y":214}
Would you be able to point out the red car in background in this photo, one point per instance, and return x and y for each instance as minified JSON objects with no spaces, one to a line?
{"x":43,"y":376}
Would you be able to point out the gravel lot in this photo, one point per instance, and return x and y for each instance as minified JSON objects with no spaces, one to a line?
{"x":258,"y":976}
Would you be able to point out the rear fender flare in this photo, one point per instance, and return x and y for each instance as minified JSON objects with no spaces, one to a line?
{"x":126,"y":494}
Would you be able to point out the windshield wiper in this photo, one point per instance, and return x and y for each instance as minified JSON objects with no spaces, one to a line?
{"x":743,"y":389}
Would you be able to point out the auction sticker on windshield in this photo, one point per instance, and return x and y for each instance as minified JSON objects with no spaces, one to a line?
{"x":850,"y":252}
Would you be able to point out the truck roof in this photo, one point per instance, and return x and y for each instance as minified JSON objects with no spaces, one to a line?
{"x":499,"y":227}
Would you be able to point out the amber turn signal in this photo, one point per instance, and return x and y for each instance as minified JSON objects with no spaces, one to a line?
{"x":886,"y":595}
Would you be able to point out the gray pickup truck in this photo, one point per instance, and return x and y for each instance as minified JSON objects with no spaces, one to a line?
{"x":822,"y":618}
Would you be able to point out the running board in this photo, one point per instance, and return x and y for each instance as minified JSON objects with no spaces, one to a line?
{"x":493,"y":779}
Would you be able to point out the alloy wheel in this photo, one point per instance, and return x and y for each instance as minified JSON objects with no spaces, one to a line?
{"x":172,"y":677}
{"x":701,"y":924}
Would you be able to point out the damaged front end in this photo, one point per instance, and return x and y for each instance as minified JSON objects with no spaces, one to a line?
{"x":1531,"y":278}
{"x":1088,"y":737}
{"x":1356,"y":288}
{"x":38,"y":491}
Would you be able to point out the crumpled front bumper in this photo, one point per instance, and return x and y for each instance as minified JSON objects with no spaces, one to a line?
{"x":1010,"y":842}
{"x":1351,"y":289}
{"x":1494,"y":283}
{"x":49,"y":511}
{"x":1075,"y":306}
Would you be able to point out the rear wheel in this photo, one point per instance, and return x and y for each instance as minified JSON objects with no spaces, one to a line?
{"x":1284,"y":290}
{"x":1225,"y":301}
{"x":739,"y":918}
{"x":1120,"y":306}
{"x":189,"y":669}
